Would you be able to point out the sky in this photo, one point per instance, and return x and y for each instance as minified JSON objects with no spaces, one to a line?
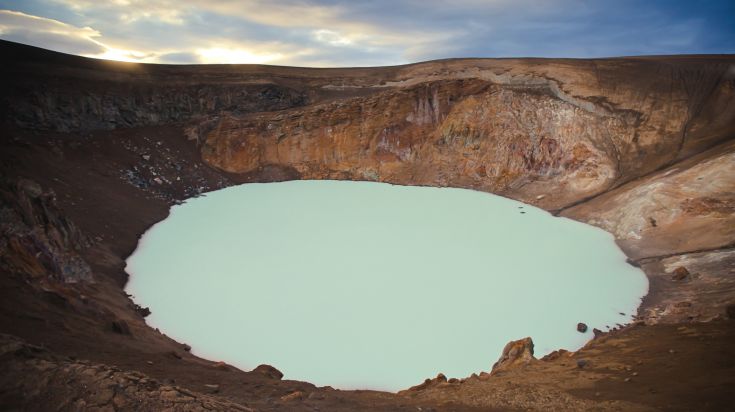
{"x":330,"y":33}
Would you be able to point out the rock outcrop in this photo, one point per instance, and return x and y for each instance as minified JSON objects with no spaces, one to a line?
{"x":269,"y":371}
{"x":515,"y":353}
{"x":36,"y":238}
{"x":43,"y":379}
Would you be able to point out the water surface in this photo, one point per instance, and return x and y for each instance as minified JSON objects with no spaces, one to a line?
{"x":369,"y":285}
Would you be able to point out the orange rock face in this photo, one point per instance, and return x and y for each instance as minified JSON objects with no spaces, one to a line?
{"x":515,"y":353}
{"x":520,"y":133}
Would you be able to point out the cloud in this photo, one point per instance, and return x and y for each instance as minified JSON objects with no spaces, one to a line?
{"x":179,"y":58}
{"x":378,"y":32}
{"x":48,"y":33}
{"x":86,"y":41}
{"x":289,"y":24}
{"x":234,"y":56}
{"x":60,"y":36}
{"x":331,"y":37}
{"x":130,"y":11}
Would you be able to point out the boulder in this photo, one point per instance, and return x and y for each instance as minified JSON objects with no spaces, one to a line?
{"x":680,"y":273}
{"x":269,"y":371}
{"x":143,"y":312}
{"x":516,"y":353}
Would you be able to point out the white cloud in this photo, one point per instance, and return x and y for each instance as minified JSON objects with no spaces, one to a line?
{"x":331,"y":37}
{"x":130,"y":11}
{"x":49,"y":33}
{"x":63,"y":37}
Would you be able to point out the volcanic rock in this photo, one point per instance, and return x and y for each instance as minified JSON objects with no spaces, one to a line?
{"x":143,"y":312}
{"x":515,"y":353}
{"x":439,"y":380}
{"x":121,"y":327}
{"x":269,"y":371}
{"x":222,"y":366}
{"x":680,"y":273}
{"x":293,"y":396}
{"x":36,"y":238}
{"x":556,"y":354}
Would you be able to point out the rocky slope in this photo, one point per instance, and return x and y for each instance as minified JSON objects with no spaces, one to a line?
{"x":95,"y":152}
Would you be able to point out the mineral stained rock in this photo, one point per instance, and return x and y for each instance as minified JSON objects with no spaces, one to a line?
{"x":515,"y":353}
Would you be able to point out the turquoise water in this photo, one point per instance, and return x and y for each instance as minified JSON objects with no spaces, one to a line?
{"x":370,"y":285}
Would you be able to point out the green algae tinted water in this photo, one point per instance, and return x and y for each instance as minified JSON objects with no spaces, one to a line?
{"x":369,"y":285}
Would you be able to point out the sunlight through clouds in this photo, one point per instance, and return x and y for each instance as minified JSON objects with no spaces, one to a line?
{"x":78,"y":40}
{"x":380,"y":32}
{"x":125,"y":56}
{"x":30,"y":28}
{"x":235,"y":56}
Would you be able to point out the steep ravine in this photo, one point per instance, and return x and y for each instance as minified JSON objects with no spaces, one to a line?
{"x":94,"y":152}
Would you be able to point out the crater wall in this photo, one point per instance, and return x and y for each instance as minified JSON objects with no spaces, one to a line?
{"x":93,"y":153}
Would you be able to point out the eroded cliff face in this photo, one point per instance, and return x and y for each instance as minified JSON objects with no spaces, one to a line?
{"x":464,"y":133}
{"x":551,"y":134}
